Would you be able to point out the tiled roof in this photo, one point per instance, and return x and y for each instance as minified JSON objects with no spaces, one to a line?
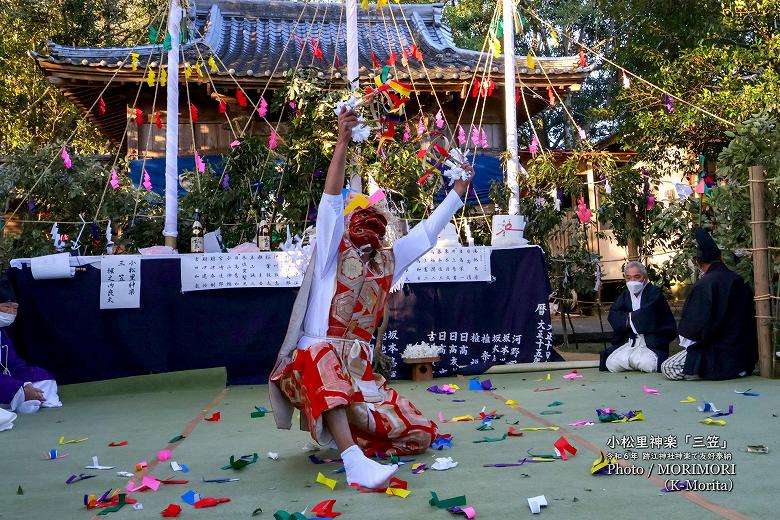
{"x":265,"y":39}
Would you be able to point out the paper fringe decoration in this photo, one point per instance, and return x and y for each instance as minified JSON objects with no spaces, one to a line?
{"x":483,"y":142}
{"x":222,"y":106}
{"x":583,"y":62}
{"x":101,"y":106}
{"x":407,"y":133}
{"x":157,"y":119}
{"x":150,"y":78}
{"x":461,"y":136}
{"x":200,"y":166}
{"x":240,"y":97}
{"x":272,"y":140}
{"x":139,"y":117}
{"x":66,"y":158}
{"x":193,"y":113}
{"x":474,"y":136}
{"x":439,"y":119}
{"x":262,"y":109}
{"x":134,"y":56}
{"x":163,"y":77}
{"x":534,"y":146}
{"x":583,"y":213}
{"x":420,"y":127}
{"x":147,"y":184}
{"x":212,"y":64}
{"x":114,"y":179}
{"x":626,"y":81}
{"x":225,"y":181}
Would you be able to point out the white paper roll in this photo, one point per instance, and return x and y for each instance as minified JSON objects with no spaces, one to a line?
{"x":50,"y":267}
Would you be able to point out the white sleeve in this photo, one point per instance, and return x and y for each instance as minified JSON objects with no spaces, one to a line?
{"x":423,"y":236}
{"x":685,"y":342}
{"x":330,"y":229}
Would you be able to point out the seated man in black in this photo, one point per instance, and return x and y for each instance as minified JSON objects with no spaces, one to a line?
{"x":718,"y":326}
{"x":643,"y":325}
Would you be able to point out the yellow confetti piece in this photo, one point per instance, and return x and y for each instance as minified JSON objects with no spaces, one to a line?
{"x":403,"y":493}
{"x":545,"y":378}
{"x":360,"y":201}
{"x":455,"y":387}
{"x":462,"y":418}
{"x":510,"y":402}
{"x":417,"y":465}
{"x":689,"y":399}
{"x":325,"y":481}
{"x":550,"y":428}
{"x":713,"y":422}
{"x":150,"y":78}
{"x":72,"y":441}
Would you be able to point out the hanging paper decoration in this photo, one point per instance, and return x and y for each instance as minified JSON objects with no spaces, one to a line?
{"x":483,"y":141}
{"x":582,"y":134}
{"x":474,"y":136}
{"x":461,"y":136}
{"x":534,"y":146}
{"x":235,"y":144}
{"x":212,"y":64}
{"x":407,"y":133}
{"x":193,"y":113}
{"x":551,"y":96}
{"x":668,"y":101}
{"x":375,"y":61}
{"x":150,"y":78}
{"x":316,"y":50}
{"x":157,"y":119}
{"x":139,"y":116}
{"x":337,"y":61}
{"x":222,"y":106}
{"x":187,"y":71}
{"x":66,"y":158}
{"x":701,"y":187}
{"x":163,"y":77}
{"x":583,"y":61}
{"x":439,"y":119}
{"x":101,"y":106}
{"x":650,"y":202}
{"x":240,"y":97}
{"x":152,"y":34}
{"x":262,"y":109}
{"x":391,"y":59}
{"x":583,"y":213}
{"x":554,"y":37}
{"x":134,"y":57}
{"x":626,"y":81}
{"x":200,"y":166}
{"x":364,"y":4}
{"x":199,"y":69}
{"x":381,"y":3}
{"x":405,"y":58}
{"x":415,"y":52}
{"x":607,"y":186}
{"x":420,"y":126}
{"x":225,"y":181}
{"x":31,"y":205}
{"x":147,"y":184}
{"x":272,"y":140}
{"x":457,"y":166}
{"x":114,"y":179}
{"x":530,"y":61}
{"x":495,"y":46}
{"x":702,"y":162}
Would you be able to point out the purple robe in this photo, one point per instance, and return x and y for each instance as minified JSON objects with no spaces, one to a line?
{"x":21,"y":372}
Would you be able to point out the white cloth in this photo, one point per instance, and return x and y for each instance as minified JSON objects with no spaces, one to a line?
{"x":330,"y":230}
{"x":50,"y":396}
{"x":633,"y":355}
{"x":6,"y":420}
{"x":685,"y":342}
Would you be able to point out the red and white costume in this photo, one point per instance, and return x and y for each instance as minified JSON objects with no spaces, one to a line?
{"x":325,"y":361}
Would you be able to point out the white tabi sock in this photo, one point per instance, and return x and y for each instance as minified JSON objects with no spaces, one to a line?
{"x":365,"y":472}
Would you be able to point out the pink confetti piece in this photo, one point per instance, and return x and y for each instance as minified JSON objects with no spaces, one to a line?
{"x":377,"y":196}
{"x":651,"y":391}
{"x":235,"y":144}
{"x":440,"y":415}
{"x":199,"y":164}
{"x":147,"y":184}
{"x":164,"y":455}
{"x":262,"y":110}
{"x":66,"y":158}
{"x":439,"y":119}
{"x":573,"y":375}
{"x":461,"y":136}
{"x":151,"y":482}
{"x":114,"y":179}
{"x":582,"y":423}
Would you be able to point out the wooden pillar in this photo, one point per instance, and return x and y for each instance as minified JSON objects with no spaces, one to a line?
{"x":761,"y":270}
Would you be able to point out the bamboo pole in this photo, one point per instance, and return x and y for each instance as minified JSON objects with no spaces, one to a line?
{"x":761,"y":270}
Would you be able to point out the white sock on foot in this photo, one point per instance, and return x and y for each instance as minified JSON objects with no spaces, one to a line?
{"x":365,"y":472}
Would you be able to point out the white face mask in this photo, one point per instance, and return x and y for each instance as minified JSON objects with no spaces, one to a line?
{"x":635,"y":287}
{"x":6,"y":319}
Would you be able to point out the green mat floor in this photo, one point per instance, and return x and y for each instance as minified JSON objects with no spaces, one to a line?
{"x":148,"y":411}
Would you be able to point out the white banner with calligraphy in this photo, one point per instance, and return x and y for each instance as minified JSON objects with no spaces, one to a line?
{"x":120,"y":282}
{"x":451,"y":264}
{"x":200,"y":272}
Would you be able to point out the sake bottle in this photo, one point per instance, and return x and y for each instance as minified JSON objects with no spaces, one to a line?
{"x":196,"y":241}
{"x":263,"y":234}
